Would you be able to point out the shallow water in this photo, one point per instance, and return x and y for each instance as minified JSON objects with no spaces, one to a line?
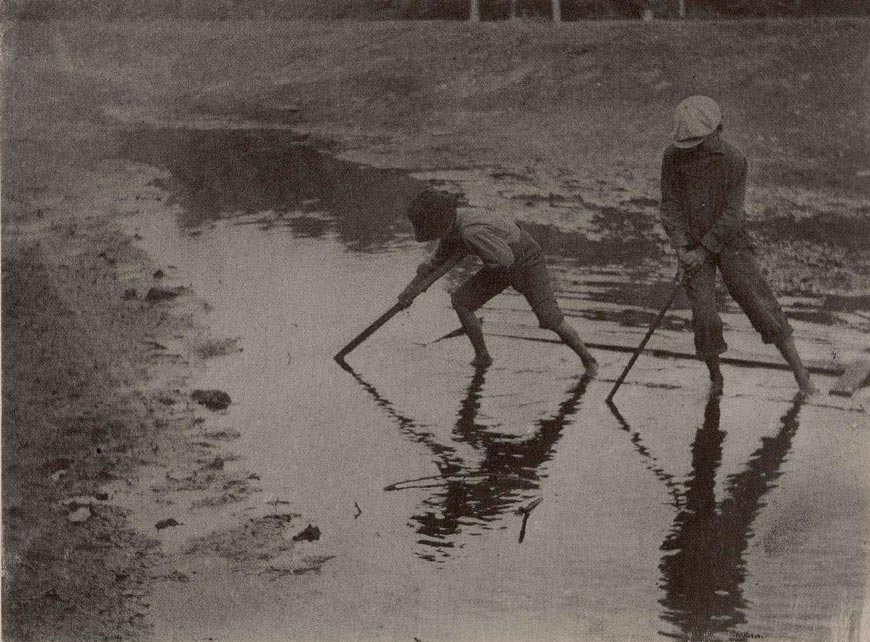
{"x":673,"y":517}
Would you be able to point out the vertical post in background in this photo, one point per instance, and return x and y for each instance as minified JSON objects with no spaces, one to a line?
{"x":557,"y":10}
{"x":513,"y":9}
{"x":647,"y":13}
{"x":681,"y":8}
{"x":474,"y":11}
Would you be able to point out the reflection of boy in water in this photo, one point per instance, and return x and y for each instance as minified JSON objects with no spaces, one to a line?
{"x":703,"y":568}
{"x":508,"y":472}
{"x":703,"y":188}
{"x":510,"y":258}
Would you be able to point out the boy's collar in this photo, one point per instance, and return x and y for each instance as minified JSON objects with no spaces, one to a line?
{"x":714,"y":144}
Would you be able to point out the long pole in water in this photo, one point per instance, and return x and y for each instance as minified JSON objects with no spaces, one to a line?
{"x":397,"y":307}
{"x":652,"y":328}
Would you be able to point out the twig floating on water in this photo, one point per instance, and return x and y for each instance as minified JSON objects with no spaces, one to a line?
{"x":523,"y":527}
{"x":528,"y":508}
{"x":525,"y":511}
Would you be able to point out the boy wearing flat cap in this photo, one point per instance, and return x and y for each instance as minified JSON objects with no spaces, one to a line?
{"x":510,"y":258}
{"x":703,"y":186}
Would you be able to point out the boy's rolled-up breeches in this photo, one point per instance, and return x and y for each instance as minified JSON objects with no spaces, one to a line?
{"x":747,"y":286}
{"x":530,"y":277}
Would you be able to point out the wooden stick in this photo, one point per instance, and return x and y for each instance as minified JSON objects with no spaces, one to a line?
{"x":652,"y":328}
{"x":397,"y":307}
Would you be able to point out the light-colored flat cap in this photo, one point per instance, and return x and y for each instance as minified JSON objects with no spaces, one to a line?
{"x":694,"y":119}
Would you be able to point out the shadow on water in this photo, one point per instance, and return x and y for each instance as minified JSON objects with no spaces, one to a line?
{"x":703,"y":566}
{"x":618,"y":246}
{"x":220,"y":173}
{"x":650,"y":295}
{"x":284,"y":180}
{"x":469,"y":498}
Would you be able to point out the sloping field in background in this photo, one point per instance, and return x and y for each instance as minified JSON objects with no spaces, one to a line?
{"x":794,"y":92}
{"x":580,"y":112}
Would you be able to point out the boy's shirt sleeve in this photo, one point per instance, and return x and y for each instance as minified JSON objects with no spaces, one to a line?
{"x":731,"y":218}
{"x":492,"y":249}
{"x":671,"y":209}
{"x":446,"y":249}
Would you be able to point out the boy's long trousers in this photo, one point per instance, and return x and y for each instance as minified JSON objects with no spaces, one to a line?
{"x":747,"y":286}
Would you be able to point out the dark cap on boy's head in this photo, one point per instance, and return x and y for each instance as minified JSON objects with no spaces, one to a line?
{"x":431,"y":213}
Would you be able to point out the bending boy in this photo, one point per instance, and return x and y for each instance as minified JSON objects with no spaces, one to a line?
{"x":510,"y":258}
{"x":703,"y":187}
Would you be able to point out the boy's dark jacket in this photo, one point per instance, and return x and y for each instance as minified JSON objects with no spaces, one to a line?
{"x":703,"y":194}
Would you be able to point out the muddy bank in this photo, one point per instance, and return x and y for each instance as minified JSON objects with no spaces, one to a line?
{"x":73,"y":421}
{"x":66,"y":434}
{"x":203,"y":500}
{"x":93,"y":391}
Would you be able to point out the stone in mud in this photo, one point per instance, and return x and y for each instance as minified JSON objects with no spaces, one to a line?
{"x":163,"y":294}
{"x":282,"y":517}
{"x":79,"y":515}
{"x":166,"y":523}
{"x":310,"y":534}
{"x":216,"y":464}
{"x":129,"y":294}
{"x":212,"y":399}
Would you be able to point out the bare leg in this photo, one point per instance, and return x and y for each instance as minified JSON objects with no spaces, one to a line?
{"x":717,"y":381}
{"x":789,"y":353}
{"x":474,"y":331}
{"x":569,"y":337}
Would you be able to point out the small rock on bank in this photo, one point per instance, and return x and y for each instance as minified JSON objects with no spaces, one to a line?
{"x":163,"y":294}
{"x":309,"y":534}
{"x":212,"y":399}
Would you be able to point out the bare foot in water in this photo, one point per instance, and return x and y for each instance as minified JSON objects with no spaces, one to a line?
{"x":808,"y":389}
{"x":591,"y":366}
{"x":481,"y":361}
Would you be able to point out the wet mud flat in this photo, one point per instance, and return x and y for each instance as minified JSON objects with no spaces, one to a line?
{"x":608,"y":251}
{"x":419,"y":476}
{"x":454,"y":504}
